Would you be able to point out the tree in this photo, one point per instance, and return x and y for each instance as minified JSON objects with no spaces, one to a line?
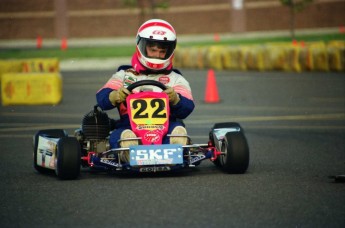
{"x":295,"y":7}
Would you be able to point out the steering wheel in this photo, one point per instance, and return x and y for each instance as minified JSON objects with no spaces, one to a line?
{"x":146,"y":82}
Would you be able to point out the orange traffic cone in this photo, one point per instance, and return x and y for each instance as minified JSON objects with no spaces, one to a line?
{"x":39,"y":42}
{"x":211,"y":95}
{"x":216,"y":37}
{"x":64,"y":44}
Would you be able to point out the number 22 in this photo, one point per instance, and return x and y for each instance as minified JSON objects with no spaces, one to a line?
{"x":157,"y":105}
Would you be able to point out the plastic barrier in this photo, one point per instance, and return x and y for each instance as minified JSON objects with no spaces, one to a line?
{"x":29,"y":65}
{"x":305,"y":59}
{"x":177,"y":60}
{"x":8,"y":66}
{"x":31,"y":88}
{"x":277,"y":57}
{"x":292,"y":59}
{"x":254,"y":57}
{"x":234,"y":58}
{"x":320,"y":56}
{"x":214,"y":57}
{"x":283,"y":56}
{"x":186,"y":60}
{"x":41,"y":65}
{"x":336,"y":55}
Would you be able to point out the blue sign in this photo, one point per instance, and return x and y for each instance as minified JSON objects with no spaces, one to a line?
{"x":165,"y":154}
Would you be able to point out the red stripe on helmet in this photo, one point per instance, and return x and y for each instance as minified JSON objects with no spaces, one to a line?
{"x":155,"y":66}
{"x":157,"y":23}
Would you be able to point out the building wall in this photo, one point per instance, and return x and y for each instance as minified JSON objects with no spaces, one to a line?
{"x":23,"y":19}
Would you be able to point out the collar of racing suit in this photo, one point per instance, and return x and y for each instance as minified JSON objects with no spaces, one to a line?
{"x":136,"y":64}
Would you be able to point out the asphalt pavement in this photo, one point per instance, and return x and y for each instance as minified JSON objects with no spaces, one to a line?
{"x":295,"y":127}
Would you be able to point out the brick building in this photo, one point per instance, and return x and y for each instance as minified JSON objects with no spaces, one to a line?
{"x":23,"y":19}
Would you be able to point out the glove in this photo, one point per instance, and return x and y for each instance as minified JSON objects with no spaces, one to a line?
{"x":118,"y":96}
{"x":174,"y":98}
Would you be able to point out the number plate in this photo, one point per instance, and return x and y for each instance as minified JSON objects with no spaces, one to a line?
{"x":149,"y":111}
{"x":46,"y":152}
{"x":165,"y":154}
{"x":149,"y":116}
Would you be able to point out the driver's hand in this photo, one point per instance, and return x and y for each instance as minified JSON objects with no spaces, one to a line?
{"x":173,"y":96}
{"x":118,"y":96}
{"x":123,"y":93}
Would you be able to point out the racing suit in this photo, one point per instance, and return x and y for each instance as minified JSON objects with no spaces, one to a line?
{"x":127,"y":75}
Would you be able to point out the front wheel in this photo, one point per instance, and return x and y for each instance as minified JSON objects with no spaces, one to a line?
{"x":50,"y":133}
{"x":68,"y":158}
{"x":214,"y":140}
{"x":236,"y":158}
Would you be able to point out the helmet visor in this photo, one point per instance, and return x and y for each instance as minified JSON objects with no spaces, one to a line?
{"x":156,"y":49}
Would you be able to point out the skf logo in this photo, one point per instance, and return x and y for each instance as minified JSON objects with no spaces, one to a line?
{"x":158,"y":32}
{"x":154,"y":154}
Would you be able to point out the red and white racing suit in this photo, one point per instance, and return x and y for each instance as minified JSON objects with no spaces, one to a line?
{"x":126,"y":76}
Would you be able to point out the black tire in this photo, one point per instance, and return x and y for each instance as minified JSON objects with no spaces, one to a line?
{"x":51,"y":133}
{"x":236,"y":158}
{"x":227,"y":125}
{"x":222,"y":125}
{"x":68,"y":159}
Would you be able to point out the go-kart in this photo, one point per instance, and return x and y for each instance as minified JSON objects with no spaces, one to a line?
{"x":148,"y":112}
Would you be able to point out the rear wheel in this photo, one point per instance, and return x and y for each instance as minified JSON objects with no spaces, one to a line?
{"x":236,"y":158}
{"x":68,"y":158}
{"x":50,"y":133}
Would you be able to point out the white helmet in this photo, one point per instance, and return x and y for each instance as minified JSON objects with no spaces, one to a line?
{"x":160,"y":33}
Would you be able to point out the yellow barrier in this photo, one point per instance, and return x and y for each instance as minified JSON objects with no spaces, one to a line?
{"x":186,"y":60}
{"x":336,"y":54}
{"x":234,"y":58}
{"x":41,"y":65}
{"x":177,"y":57}
{"x":255,"y":58}
{"x":284,"y":56}
{"x":214,"y":58}
{"x":320,"y":56}
{"x":7,"y":66}
{"x":31,"y":88}
{"x":29,"y":65}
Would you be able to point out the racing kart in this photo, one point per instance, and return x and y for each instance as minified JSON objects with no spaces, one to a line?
{"x":55,"y":151}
